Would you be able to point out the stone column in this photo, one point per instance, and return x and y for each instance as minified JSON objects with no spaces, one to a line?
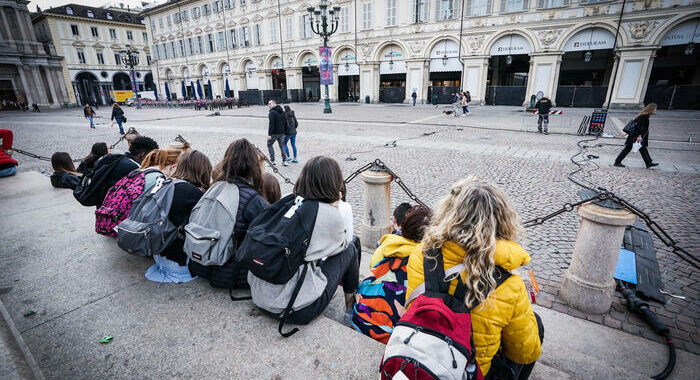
{"x":55,"y":103}
{"x":417,"y":79}
{"x":25,"y":85}
{"x":264,"y":79}
{"x":30,"y":26}
{"x":545,"y":75}
{"x":376,"y":220}
{"x":369,"y":81}
{"x":6,"y":26}
{"x":474,"y":77}
{"x":632,"y":77}
{"x":294,"y":78}
{"x":61,"y":79}
{"x":25,"y":35}
{"x":41,"y":97}
{"x":588,"y":284}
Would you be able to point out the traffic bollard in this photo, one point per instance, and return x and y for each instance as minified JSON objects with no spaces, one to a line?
{"x":376,"y":220}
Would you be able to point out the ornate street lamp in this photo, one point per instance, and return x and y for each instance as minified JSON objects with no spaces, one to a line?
{"x":130,"y":58}
{"x":324,"y":22}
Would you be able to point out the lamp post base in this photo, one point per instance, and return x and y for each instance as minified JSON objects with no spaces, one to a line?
{"x":327,"y":103}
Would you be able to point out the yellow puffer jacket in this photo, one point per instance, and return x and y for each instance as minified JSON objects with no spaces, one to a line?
{"x":507,"y":314}
{"x":394,"y":246}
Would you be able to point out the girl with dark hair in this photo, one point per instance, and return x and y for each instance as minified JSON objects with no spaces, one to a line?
{"x":242,"y":167}
{"x":329,"y":256}
{"x":381,"y":297}
{"x":194,"y":168}
{"x":291,"y":134}
{"x":64,"y":174}
{"x":98,"y":150}
{"x":118,"y":116}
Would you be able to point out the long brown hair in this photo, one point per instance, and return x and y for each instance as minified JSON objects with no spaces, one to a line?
{"x":473,"y":215}
{"x":271,"y":188}
{"x":320,"y":180}
{"x":647,"y":110}
{"x":241,"y":163}
{"x":194,"y":167}
{"x":61,"y":162}
{"x":161,"y":158}
{"x":98,"y":150}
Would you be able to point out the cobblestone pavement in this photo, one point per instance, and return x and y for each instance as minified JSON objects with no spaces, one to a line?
{"x":495,"y":143}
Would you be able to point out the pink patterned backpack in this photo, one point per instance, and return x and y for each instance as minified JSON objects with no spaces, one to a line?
{"x":118,"y":201}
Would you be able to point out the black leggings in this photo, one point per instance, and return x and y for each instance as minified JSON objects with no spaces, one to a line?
{"x":628,"y":148}
{"x":503,"y":368}
{"x":342,"y":268}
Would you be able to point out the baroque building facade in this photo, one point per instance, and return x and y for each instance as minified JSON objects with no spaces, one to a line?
{"x":89,"y":39}
{"x":577,"y":52}
{"x":29,"y":71}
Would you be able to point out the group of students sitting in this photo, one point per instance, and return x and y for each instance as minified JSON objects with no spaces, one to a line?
{"x":232,"y":227}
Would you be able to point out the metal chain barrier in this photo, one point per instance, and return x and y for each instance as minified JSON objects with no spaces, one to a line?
{"x":274,"y":167}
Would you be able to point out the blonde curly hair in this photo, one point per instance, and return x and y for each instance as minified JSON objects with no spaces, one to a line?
{"x":473,"y":215}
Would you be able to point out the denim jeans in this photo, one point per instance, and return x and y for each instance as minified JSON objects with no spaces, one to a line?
{"x":92,"y":123}
{"x":8,"y":172}
{"x":279,"y":139}
{"x":119,"y":122}
{"x":293,"y":139}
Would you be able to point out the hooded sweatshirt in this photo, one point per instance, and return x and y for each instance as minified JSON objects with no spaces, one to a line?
{"x":277,"y":121}
{"x":393,"y":246}
{"x":505,"y":318}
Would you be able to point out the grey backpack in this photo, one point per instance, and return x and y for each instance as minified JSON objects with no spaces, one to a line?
{"x":209,"y":234}
{"x":147,"y":231}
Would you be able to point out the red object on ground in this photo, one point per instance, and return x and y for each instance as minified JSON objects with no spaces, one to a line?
{"x":5,"y":159}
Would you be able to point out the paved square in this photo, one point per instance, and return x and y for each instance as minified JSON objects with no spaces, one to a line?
{"x":431,"y":151}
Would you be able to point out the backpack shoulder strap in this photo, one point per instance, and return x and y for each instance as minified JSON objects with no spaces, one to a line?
{"x":500,"y":275}
{"x":434,"y":272}
{"x":290,"y":304}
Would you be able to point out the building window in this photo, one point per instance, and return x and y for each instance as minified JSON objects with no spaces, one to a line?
{"x":305,"y":27}
{"x":109,"y":16}
{"x":344,"y":21}
{"x":592,"y":1}
{"x":69,"y":10}
{"x":153,"y":24}
{"x":390,"y":12}
{"x":74,"y":29}
{"x":145,"y":37}
{"x":195,"y":12}
{"x":288,"y":29}
{"x":113,"y":34}
{"x":232,"y":36}
{"x":181,"y":45}
{"x":155,"y":52}
{"x":200,"y":45}
{"x":176,"y":18}
{"x":553,"y":3}
{"x":90,"y":14}
{"x":243,"y":2}
{"x":188,"y":47}
{"x":508,"y":6}
{"x":129,"y":35}
{"x":206,"y":9}
{"x":477,"y":8}
{"x":218,"y":6}
{"x":185,"y":15}
{"x":420,"y":10}
{"x":100,"y":58}
{"x":117,"y":59}
{"x":148,"y":59}
{"x":160,"y":23}
{"x":174,"y":50}
{"x":94,"y":31}
{"x":273,"y":30}
{"x":220,"y":41}
{"x":168,"y":21}
{"x":446,"y":9}
{"x":81,"y":55}
{"x":245,"y":35}
{"x":257,"y":35}
{"x":228,"y":4}
{"x":366,"y":16}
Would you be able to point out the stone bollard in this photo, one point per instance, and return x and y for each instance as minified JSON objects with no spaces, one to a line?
{"x":376,"y":220}
{"x":588,"y":284}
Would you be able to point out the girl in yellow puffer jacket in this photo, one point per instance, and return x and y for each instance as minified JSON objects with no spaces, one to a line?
{"x":476,"y":226}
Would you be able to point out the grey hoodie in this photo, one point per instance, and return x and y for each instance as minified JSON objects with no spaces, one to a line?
{"x":327,"y":239}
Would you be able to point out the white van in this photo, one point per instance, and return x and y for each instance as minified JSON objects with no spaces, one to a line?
{"x":143,"y":95}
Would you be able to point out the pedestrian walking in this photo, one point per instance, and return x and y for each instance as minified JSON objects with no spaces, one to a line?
{"x":543,"y":106}
{"x":35,"y":107}
{"x":414,"y":96}
{"x":468,"y":97}
{"x":118,"y":116}
{"x":275,"y":130}
{"x":455,"y":104}
{"x":464,"y":103}
{"x":639,"y":133}
{"x":291,"y":133}
{"x":89,"y":113}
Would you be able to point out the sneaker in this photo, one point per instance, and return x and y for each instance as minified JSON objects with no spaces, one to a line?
{"x":295,"y":160}
{"x":652,"y":165}
{"x":539,"y":131}
{"x":92,"y":126}
{"x":284,"y":163}
{"x":619,"y":165}
{"x":289,"y":159}
{"x":546,"y":133}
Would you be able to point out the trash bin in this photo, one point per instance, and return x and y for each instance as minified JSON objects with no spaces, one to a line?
{"x":435,"y":100}
{"x":367,"y":99}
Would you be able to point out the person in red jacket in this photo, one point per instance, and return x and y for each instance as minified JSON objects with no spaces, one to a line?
{"x":8,"y":166}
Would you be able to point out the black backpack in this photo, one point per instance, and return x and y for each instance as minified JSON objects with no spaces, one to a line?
{"x":275,"y":244}
{"x":93,"y":187}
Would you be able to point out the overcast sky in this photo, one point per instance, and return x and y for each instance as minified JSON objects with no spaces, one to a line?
{"x":45,"y":4}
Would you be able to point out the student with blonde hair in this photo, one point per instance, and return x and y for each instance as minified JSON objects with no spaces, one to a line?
{"x":474,"y":230}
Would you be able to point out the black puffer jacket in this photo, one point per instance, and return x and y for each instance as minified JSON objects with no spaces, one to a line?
{"x":63,"y":180}
{"x":278,"y":121}
{"x":231,"y":275}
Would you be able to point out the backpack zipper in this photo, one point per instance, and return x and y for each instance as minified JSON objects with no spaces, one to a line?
{"x":449,"y":345}
{"x":415,"y":330}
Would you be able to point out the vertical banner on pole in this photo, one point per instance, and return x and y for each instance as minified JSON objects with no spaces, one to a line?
{"x":325,"y":68}
{"x":134,"y":82}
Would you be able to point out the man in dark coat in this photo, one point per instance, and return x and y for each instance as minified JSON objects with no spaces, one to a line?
{"x":543,"y":106}
{"x":276,"y":130}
